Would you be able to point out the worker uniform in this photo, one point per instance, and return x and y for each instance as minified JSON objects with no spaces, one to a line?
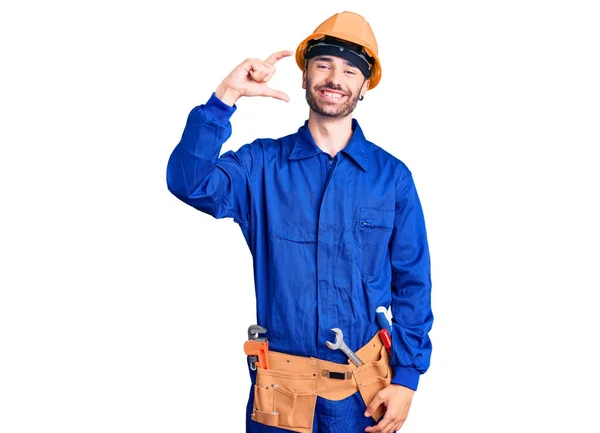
{"x":332,"y":238}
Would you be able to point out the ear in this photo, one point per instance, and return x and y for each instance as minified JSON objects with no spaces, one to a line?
{"x":365,"y":87}
{"x":304,"y":79}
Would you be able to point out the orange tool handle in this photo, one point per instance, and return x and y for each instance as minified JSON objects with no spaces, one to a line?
{"x":260,"y":349}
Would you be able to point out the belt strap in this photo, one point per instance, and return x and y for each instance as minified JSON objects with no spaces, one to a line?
{"x":334,"y":381}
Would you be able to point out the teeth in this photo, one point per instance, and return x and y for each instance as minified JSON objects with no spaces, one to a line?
{"x":332,"y":95}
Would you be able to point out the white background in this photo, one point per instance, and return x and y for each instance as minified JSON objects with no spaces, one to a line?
{"x":122,"y":309}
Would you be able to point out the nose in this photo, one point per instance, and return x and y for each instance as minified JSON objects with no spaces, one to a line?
{"x":336,"y":76}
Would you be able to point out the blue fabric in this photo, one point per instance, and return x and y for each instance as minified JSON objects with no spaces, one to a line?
{"x":331,"y":238}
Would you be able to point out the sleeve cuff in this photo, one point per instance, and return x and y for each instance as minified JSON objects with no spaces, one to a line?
{"x":218,"y":110}
{"x":406,"y":376}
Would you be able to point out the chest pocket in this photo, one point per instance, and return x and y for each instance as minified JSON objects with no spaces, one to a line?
{"x":375,"y":230}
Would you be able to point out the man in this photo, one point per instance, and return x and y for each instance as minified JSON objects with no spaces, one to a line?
{"x":336,"y":232}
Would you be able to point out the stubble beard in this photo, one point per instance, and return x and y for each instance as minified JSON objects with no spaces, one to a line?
{"x":330,"y":109}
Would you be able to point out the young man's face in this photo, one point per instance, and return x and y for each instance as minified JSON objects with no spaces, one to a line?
{"x":333,"y":86}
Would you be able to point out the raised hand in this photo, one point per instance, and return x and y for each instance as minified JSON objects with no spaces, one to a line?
{"x":250,"y":78}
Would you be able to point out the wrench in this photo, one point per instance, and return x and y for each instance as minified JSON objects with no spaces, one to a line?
{"x":257,"y":347}
{"x":339,"y":344}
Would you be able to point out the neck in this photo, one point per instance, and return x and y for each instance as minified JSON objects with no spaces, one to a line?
{"x":331,"y":135}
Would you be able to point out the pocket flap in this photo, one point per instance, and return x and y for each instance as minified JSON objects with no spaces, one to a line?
{"x":376,"y":218}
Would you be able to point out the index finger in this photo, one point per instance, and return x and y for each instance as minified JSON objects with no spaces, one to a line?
{"x":275,"y":57}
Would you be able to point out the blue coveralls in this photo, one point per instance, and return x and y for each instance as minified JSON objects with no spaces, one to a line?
{"x":332,"y":238}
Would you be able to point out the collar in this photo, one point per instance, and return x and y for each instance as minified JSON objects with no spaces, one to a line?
{"x":305,"y":146}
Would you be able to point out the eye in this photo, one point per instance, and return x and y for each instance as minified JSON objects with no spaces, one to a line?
{"x":322,"y":66}
{"x":350,"y":72}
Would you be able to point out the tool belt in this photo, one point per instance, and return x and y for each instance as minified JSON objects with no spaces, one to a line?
{"x":285,"y":394}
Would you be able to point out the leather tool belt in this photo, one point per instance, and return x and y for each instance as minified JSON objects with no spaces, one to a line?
{"x":285,"y":395}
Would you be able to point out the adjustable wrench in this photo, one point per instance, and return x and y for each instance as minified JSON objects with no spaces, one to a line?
{"x":339,"y":344}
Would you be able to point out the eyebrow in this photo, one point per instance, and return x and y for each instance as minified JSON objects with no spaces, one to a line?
{"x":330,"y":60}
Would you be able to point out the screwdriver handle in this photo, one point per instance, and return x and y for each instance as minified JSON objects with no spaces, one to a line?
{"x":387,"y":340}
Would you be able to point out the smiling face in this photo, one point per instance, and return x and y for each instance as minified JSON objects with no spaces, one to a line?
{"x":333,"y":86}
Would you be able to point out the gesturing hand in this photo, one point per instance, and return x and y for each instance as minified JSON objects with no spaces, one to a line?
{"x":250,"y":78}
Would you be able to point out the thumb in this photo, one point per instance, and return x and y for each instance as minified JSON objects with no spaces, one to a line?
{"x":375,"y":403}
{"x":277,"y":94}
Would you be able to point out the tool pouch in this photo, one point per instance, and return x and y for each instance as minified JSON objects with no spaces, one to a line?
{"x":284,"y":399}
{"x":285,"y":395}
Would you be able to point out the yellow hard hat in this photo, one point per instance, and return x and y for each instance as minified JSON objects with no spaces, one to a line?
{"x":350,"y":27}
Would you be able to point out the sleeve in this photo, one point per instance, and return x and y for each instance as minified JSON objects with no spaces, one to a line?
{"x":411,"y":287}
{"x":217,"y":185}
